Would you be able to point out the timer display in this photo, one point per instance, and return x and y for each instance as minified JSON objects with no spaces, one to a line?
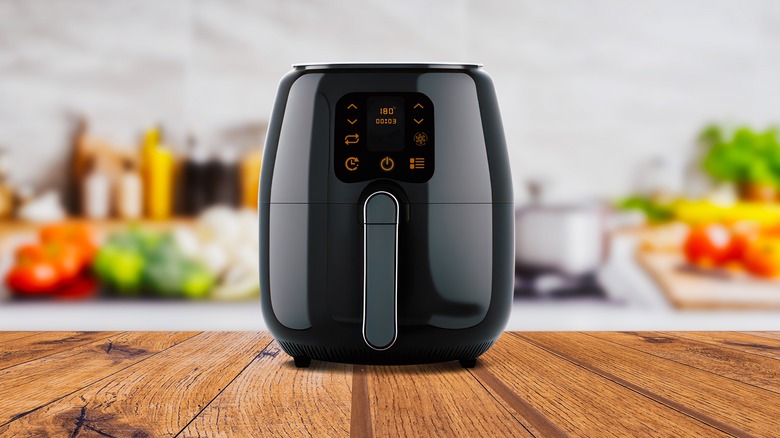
{"x":384,"y":135}
{"x":385,"y":123}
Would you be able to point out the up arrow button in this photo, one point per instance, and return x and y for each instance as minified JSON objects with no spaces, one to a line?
{"x":419,"y":105}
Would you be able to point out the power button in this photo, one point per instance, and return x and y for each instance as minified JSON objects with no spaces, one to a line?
{"x":387,"y":164}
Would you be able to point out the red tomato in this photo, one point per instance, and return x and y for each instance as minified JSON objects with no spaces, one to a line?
{"x":743,"y":235}
{"x":67,"y":258}
{"x":33,"y":277}
{"x":82,"y":287}
{"x":29,"y":253}
{"x":772,"y":231}
{"x":709,"y":245}
{"x":763,"y":257}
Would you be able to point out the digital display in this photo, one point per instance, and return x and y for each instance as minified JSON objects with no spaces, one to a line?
{"x":388,"y":135}
{"x":385,"y":123}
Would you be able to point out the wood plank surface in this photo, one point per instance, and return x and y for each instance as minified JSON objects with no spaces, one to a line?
{"x":752,"y":369}
{"x":10,"y":336}
{"x":41,"y":344}
{"x":529,"y":384}
{"x":738,"y":341}
{"x":580,"y":402}
{"x":700,"y":394}
{"x":435,"y":400}
{"x":30,"y":385}
{"x":771,"y":335}
{"x":158,"y":397}
{"x":273,"y":398}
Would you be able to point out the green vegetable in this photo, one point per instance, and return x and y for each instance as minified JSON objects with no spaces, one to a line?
{"x":198,"y":283}
{"x":137,"y":260}
{"x":120,"y":268}
{"x":746,"y":156}
{"x":120,"y":262}
{"x":655,"y":212}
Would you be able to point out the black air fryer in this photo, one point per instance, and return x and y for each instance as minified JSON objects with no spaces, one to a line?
{"x":386,"y":214}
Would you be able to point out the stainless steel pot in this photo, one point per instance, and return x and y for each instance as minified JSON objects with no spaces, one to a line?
{"x":568,"y":238}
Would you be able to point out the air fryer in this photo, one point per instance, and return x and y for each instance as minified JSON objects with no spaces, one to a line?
{"x":386,"y":214}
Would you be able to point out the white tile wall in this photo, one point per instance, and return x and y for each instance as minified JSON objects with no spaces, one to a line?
{"x":588,"y":89}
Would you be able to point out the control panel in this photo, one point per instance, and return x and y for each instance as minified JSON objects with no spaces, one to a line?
{"x":384,"y":135}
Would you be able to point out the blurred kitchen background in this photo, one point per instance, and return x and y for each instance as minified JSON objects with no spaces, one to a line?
{"x":641,"y":138}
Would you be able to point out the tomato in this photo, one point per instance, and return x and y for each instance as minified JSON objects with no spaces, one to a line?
{"x":709,"y":245}
{"x":743,"y":235}
{"x":772,"y":231}
{"x":82,"y":287}
{"x":30,"y":253}
{"x":763,"y":257}
{"x":67,"y":258}
{"x":33,"y":277}
{"x":79,"y":234}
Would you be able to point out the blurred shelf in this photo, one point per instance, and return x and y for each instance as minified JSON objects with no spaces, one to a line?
{"x":10,"y":227}
{"x":588,"y":316}
{"x":246,"y":315}
{"x":131,"y":315}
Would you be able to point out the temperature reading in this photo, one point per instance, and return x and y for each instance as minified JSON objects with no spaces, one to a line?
{"x":385,"y":131}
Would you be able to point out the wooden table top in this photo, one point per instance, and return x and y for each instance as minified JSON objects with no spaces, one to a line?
{"x":529,"y":384}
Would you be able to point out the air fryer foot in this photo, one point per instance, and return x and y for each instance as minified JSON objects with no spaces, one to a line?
{"x":302,"y":361}
{"x":468,"y":363}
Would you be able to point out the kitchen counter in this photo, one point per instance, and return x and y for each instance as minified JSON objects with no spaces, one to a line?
{"x":529,"y":384}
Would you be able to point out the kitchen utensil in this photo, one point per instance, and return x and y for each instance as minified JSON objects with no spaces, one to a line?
{"x":386,"y":210}
{"x":568,"y":238}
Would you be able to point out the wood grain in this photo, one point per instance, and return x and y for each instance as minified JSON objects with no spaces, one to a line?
{"x":273,"y":398}
{"x":360,"y":415}
{"x":10,"y":336}
{"x":157,"y":397}
{"x":435,"y":400}
{"x":528,"y":384}
{"x":42,"y":344}
{"x":533,"y":420}
{"x":771,"y":335}
{"x":760,"y":371}
{"x":700,"y":394}
{"x":738,"y":341}
{"x":30,"y":385}
{"x":580,"y":402}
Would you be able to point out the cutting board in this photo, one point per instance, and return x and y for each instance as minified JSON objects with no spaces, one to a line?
{"x":690,"y":289}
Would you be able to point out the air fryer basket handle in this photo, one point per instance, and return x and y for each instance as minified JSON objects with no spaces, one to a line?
{"x":380,"y":270}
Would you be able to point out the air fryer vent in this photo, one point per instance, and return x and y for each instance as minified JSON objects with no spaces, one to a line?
{"x":397,"y":356}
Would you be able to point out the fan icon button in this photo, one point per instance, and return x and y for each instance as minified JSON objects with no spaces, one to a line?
{"x":420,"y":138}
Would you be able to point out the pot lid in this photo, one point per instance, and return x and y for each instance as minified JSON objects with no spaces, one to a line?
{"x":542,"y":193}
